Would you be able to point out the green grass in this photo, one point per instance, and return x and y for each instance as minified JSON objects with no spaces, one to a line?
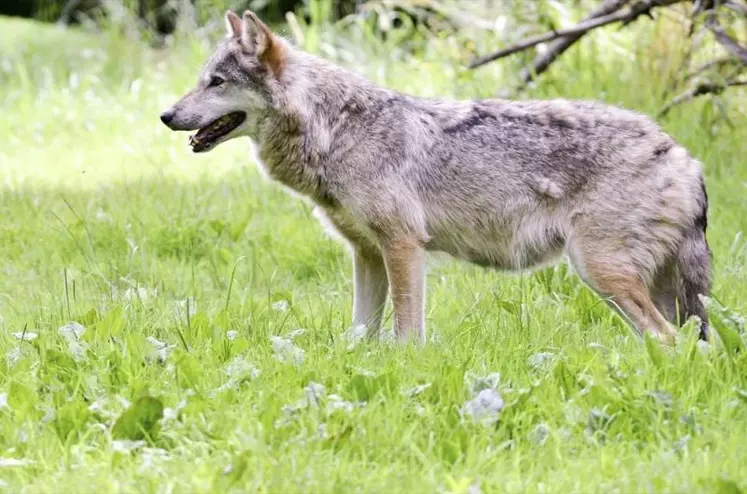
{"x":184,"y":269}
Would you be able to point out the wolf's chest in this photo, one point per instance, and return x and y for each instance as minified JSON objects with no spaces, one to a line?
{"x":342,"y":224}
{"x":297,"y":176}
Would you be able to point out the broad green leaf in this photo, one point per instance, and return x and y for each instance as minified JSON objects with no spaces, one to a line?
{"x":726,"y":486}
{"x":140,"y":420}
{"x":217,"y":226}
{"x":655,"y":351}
{"x":112,"y":323}
{"x":731,"y":339}
{"x":188,"y":368}
{"x":21,"y":397}
{"x":70,"y":418}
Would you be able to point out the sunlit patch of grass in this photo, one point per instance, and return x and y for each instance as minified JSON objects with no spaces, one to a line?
{"x":190,"y":278}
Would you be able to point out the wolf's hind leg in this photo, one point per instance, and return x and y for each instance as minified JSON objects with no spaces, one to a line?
{"x":370,"y":290}
{"x":686,"y":276}
{"x":617,"y":280}
{"x":694,"y":270}
{"x":664,"y":293}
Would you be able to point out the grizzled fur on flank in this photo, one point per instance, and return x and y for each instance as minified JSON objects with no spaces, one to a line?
{"x":504,"y":184}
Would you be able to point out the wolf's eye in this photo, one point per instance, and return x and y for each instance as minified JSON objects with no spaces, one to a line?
{"x":216,"y":81}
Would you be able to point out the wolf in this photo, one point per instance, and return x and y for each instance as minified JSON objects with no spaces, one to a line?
{"x":505,"y":184}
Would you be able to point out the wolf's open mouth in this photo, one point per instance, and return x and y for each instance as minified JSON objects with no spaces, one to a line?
{"x":208,"y":136}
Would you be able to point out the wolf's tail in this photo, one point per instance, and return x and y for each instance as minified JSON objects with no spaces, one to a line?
{"x":694,"y":268}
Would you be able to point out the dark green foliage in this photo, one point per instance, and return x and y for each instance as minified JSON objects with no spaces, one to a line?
{"x":160,"y":14}
{"x":140,"y":421}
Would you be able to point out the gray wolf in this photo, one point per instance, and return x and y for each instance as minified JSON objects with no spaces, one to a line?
{"x":505,"y":184}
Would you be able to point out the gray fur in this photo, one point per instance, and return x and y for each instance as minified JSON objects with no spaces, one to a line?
{"x":505,"y":184}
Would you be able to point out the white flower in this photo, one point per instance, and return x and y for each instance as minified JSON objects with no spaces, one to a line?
{"x":474,"y":489}
{"x":314,"y":393}
{"x":321,"y":432}
{"x":541,"y":360}
{"x":72,"y":331}
{"x":25,"y":335}
{"x":109,"y":408}
{"x":49,"y":415}
{"x":354,"y":335}
{"x":295,"y":333}
{"x":336,"y":403}
{"x":485,"y":407}
{"x":14,"y":462}
{"x":703,"y":347}
{"x":142,"y":293}
{"x":285,"y":351}
{"x":14,"y":356}
{"x":539,"y":434}
{"x":161,"y":348}
{"x":170,"y":414}
{"x":126,"y":445}
{"x":239,"y":368}
{"x":416,"y":390}
{"x":151,"y":458}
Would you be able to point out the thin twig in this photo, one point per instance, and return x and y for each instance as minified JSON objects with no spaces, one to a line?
{"x":637,"y":9}
{"x":67,"y":11}
{"x":542,"y":61}
{"x":700,"y":90}
{"x":736,"y":7}
{"x":729,"y":43}
{"x":713,"y":64}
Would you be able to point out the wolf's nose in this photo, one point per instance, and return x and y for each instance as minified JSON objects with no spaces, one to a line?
{"x":167,"y":116}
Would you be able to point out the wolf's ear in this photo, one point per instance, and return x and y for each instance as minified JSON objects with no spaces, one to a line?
{"x":259,"y":40}
{"x":233,"y":25}
{"x":256,"y":37}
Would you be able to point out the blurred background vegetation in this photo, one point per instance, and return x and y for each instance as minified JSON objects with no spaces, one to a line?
{"x":701,"y":46}
{"x":160,"y":13}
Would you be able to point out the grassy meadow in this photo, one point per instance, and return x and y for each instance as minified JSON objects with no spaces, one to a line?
{"x":172,"y":322}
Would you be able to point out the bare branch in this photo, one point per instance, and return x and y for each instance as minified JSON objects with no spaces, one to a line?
{"x":700,"y":90}
{"x":67,"y":11}
{"x":642,"y":7}
{"x":736,"y":7}
{"x":559,"y":46}
{"x":716,"y":64}
{"x":729,"y":43}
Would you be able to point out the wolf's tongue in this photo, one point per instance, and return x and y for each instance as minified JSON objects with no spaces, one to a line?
{"x":207,"y":136}
{"x":201,"y":135}
{"x":205,"y":132}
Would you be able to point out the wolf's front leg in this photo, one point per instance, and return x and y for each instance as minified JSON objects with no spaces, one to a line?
{"x":369,"y":291}
{"x":405,"y":264}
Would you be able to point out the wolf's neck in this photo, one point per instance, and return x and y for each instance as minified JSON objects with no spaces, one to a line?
{"x":322,"y":93}
{"x":319,"y":102}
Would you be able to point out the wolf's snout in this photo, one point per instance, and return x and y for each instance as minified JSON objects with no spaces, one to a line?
{"x":168,"y":116}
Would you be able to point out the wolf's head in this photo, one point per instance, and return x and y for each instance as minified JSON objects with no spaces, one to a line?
{"x":236,"y":86}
